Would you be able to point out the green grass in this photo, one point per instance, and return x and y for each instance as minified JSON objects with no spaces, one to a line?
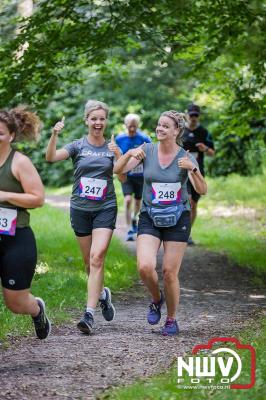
{"x":247,"y":191}
{"x":164,"y":386}
{"x":241,"y":236}
{"x":61,"y":277}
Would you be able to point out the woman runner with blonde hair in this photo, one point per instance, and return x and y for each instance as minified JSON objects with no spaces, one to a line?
{"x":165,"y":212}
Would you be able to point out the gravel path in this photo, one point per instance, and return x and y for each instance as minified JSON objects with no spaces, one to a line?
{"x":217,"y":299}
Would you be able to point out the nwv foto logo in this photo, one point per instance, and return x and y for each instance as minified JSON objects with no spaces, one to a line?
{"x":222,"y":365}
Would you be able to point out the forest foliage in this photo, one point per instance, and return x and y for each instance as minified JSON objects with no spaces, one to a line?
{"x":140,"y":56}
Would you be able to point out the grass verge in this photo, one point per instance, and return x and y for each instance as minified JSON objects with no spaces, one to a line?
{"x":164,"y":386}
{"x":232,"y":220}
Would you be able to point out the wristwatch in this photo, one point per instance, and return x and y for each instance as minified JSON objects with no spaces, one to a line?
{"x":194,"y":170}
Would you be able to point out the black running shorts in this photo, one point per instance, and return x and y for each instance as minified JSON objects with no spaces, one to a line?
{"x":133,"y":185}
{"x":83,"y":222}
{"x":178,"y":233}
{"x":18,"y":258}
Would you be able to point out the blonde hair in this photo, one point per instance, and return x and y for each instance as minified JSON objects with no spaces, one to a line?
{"x":24,"y":123}
{"x":132,"y":117}
{"x":180,"y":120}
{"x":93,"y":105}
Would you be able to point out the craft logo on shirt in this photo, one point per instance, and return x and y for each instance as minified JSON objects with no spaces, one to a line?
{"x":86,"y":153}
{"x":191,"y":134}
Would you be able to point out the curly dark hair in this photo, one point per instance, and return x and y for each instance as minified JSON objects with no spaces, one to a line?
{"x":21,"y":121}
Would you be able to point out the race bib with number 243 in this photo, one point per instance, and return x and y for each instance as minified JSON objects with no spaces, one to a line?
{"x":8,"y":221}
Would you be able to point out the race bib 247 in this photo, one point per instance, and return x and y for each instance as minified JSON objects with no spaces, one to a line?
{"x":93,"y":189}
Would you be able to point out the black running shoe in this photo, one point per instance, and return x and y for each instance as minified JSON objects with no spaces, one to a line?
{"x":108,"y":310}
{"x":42,"y":324}
{"x":130,"y":236}
{"x":85,"y":325}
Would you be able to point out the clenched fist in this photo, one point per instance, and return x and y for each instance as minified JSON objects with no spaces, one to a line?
{"x":185,"y":162}
{"x":137,"y":153}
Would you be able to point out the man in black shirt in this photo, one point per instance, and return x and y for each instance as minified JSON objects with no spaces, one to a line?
{"x":199,"y":142}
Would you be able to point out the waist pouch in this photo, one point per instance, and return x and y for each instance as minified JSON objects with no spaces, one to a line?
{"x":165,"y":217}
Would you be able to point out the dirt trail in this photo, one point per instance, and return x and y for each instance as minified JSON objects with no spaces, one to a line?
{"x":217,"y":299}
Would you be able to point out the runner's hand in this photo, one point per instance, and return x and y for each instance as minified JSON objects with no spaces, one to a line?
{"x":185,"y":162}
{"x":112,"y":146}
{"x":59,"y":126}
{"x":137,"y":153}
{"x":202,"y":147}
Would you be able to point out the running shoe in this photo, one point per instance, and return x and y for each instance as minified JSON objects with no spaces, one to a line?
{"x":134,"y":225}
{"x":85,"y":325}
{"x":108,"y":310}
{"x":42,"y":325}
{"x":154,"y":313}
{"x":170,"y":327}
{"x":130,"y":236}
{"x":190,"y":241}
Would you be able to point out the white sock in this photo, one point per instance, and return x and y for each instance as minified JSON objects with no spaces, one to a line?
{"x":90,"y":310}
{"x":102,"y":295}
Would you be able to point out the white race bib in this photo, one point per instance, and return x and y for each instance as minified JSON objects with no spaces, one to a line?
{"x":93,"y":189}
{"x":166,"y":193}
{"x":8,"y":221}
{"x":137,"y":170}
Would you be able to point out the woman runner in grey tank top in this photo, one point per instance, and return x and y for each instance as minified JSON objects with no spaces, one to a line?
{"x":165,"y":212}
{"x":93,"y":207}
{"x":20,"y":188}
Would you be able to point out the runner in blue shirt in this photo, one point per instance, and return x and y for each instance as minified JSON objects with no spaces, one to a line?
{"x":131,"y":139}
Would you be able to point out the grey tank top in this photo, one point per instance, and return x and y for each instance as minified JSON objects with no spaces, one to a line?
{"x":164,"y":186}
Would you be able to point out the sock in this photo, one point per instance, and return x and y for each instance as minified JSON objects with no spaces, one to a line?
{"x":90,"y":310}
{"x":134,"y":216}
{"x":102,"y":295}
{"x":170,"y":319}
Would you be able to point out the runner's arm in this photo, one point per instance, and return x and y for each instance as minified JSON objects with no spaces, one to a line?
{"x":27,"y":175}
{"x":53,"y":155}
{"x":198,"y":182}
{"x":130,"y":160}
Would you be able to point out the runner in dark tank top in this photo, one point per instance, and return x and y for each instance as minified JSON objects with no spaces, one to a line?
{"x":20,"y":188}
